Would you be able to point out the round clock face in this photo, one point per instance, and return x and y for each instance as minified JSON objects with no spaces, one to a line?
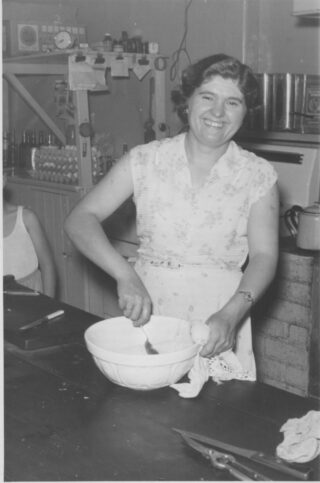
{"x":63,"y":40}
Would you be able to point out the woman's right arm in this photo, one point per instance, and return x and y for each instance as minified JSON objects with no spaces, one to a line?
{"x":83,"y":226}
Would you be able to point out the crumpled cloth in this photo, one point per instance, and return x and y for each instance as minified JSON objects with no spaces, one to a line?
{"x":198,"y":375}
{"x":224,"y":367}
{"x":301,"y":438}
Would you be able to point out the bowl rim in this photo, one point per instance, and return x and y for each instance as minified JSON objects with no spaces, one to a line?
{"x":135,"y":360}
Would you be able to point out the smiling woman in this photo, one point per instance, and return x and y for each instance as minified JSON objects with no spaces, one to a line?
{"x":203,"y":206}
{"x":216,"y":112}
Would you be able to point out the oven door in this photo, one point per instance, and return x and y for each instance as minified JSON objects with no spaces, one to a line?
{"x":298,"y":169}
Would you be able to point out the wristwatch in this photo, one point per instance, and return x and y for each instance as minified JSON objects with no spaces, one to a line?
{"x":247,"y":295}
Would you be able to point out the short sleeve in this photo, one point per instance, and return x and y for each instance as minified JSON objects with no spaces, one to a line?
{"x":141,"y":159}
{"x":264,"y":179}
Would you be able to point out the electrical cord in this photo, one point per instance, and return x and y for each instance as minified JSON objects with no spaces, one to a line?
{"x":182,"y":47}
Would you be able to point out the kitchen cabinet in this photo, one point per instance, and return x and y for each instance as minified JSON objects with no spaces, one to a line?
{"x":306,"y":8}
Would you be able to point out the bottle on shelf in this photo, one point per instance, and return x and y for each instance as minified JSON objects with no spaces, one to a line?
{"x":41,"y":139}
{"x":118,"y":46}
{"x":124,"y":40}
{"x":50,"y":139}
{"x":5,"y":149}
{"x":33,"y":146}
{"x":34,"y":142}
{"x":13,"y":151}
{"x":70,"y":135}
{"x":23,"y":146}
{"x":25,"y":150}
{"x":107,"y":42}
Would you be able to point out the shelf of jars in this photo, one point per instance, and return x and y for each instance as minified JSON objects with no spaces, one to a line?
{"x":59,"y":165}
{"x":80,"y":163}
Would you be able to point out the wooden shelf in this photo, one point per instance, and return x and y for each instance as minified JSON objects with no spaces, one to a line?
{"x":20,"y":178}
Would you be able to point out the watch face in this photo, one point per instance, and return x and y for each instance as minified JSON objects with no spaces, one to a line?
{"x":63,"y":40}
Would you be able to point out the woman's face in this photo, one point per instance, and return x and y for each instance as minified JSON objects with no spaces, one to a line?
{"x":216,"y":111}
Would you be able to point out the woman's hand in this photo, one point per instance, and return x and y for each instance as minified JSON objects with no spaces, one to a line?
{"x":222,"y":335}
{"x":134,"y":300}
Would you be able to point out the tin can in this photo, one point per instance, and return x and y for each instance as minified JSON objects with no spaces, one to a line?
{"x":283,"y":102}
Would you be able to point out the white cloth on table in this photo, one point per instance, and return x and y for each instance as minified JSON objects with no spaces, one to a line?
{"x":193,"y":241}
{"x":301,"y":441}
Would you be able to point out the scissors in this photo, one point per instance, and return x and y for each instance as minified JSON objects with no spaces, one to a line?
{"x":206,"y":446}
{"x":225,"y":461}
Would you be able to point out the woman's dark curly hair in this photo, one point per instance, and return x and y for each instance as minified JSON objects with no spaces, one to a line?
{"x":220,"y":64}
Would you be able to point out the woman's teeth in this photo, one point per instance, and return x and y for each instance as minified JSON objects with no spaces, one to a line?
{"x":210,"y":123}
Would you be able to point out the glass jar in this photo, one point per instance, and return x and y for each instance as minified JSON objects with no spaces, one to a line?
{"x":107,"y":42}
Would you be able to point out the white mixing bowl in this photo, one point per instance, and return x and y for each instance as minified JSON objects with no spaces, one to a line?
{"x":117,"y":348}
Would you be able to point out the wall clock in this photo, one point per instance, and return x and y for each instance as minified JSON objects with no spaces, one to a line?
{"x":63,"y":40}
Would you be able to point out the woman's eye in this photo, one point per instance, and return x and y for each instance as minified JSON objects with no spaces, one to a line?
{"x":233,"y":103}
{"x":207,"y":97}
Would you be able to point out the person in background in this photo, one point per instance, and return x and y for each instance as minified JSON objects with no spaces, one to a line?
{"x":26,"y":251}
{"x":205,"y":207}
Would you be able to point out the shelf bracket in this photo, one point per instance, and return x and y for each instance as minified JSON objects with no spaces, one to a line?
{"x":27,"y":97}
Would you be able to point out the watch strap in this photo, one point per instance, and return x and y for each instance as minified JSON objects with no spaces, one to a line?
{"x":247,"y":295}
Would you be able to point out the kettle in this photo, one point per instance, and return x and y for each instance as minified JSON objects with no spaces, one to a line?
{"x":304,"y":225}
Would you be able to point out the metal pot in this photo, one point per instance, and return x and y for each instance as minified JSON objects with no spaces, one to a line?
{"x":304,"y":225}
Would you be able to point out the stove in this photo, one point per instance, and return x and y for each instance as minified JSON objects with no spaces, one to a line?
{"x":298,"y":168}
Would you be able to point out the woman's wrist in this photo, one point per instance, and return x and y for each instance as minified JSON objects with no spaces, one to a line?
{"x":238,"y":306}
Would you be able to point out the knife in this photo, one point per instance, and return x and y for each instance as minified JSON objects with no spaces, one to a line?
{"x":255,"y":456}
{"x":42,"y":320}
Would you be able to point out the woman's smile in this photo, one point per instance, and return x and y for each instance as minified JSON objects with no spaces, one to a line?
{"x":212,"y":123}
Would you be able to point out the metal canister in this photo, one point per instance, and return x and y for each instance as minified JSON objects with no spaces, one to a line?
{"x":283,"y":102}
{"x":265,"y":112}
{"x":261,"y":117}
{"x":300,"y":86}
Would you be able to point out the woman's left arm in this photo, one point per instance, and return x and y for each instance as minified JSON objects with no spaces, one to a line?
{"x":263,"y":241}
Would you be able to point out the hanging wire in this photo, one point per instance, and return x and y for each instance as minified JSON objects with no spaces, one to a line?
{"x":182,"y":47}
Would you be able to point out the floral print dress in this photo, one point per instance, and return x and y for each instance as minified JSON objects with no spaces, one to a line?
{"x":193,"y":241}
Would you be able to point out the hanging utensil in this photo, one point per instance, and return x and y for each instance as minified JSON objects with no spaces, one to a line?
{"x":149,"y":133}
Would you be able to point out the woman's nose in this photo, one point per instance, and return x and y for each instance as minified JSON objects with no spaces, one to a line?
{"x":218,"y":108}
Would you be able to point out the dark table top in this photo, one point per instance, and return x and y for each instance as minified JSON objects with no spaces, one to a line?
{"x":64,"y":421}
